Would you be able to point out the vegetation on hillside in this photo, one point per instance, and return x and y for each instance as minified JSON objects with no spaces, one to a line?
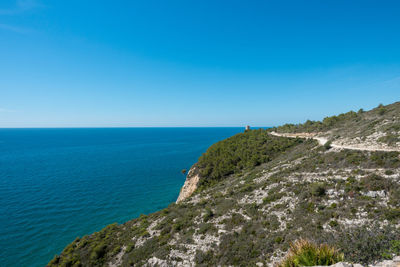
{"x":320,"y":126}
{"x":292,"y":205}
{"x":385,"y":119}
{"x":267,"y":192}
{"x":239,"y":152}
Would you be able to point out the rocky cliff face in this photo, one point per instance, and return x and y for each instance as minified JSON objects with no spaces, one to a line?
{"x":190,"y":184}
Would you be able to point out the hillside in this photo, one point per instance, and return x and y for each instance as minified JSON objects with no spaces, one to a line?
{"x":377,"y":129}
{"x":255,"y":193}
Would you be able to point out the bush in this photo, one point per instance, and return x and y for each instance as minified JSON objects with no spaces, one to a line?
{"x":389,"y":172}
{"x":381,"y":111}
{"x":318,"y":190}
{"x":328,"y":145}
{"x":394,"y":249}
{"x":208,"y":214}
{"x":390,"y":139}
{"x":333,"y":223}
{"x":273,"y":196}
{"x":392,"y":214}
{"x":206,"y":227}
{"x":98,"y":251}
{"x":304,"y":253}
{"x":203,"y":257}
{"x":375,"y":182}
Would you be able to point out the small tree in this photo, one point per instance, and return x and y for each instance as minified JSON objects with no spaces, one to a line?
{"x":381,"y":109}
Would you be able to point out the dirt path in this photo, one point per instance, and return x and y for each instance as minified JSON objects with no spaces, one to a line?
{"x":322,"y":141}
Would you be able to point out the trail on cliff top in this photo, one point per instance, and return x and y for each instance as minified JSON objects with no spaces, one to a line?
{"x":322,"y":141}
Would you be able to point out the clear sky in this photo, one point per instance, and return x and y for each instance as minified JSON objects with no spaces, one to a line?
{"x":80,"y":63}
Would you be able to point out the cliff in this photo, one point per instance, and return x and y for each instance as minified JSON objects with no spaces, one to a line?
{"x":252,"y":195}
{"x":190,"y":184}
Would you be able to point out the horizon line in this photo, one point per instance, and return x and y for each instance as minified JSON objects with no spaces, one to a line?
{"x":122,"y":127}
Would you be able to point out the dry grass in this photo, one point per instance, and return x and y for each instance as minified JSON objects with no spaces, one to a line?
{"x":305,"y":253}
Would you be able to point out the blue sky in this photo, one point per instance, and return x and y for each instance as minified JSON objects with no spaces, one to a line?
{"x":194,"y":63}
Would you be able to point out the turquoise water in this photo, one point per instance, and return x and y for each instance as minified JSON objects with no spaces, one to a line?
{"x":57,"y":184}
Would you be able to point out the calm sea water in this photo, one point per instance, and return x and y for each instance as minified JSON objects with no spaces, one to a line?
{"x":57,"y":184}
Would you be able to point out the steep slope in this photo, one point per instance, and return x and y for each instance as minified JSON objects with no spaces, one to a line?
{"x":255,"y":193}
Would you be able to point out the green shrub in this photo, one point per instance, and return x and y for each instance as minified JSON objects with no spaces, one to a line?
{"x":392,"y":214}
{"x":394,"y":247}
{"x":304,"y":253}
{"x":206,"y":227}
{"x":328,"y":145}
{"x":318,"y":189}
{"x":55,"y":260}
{"x":375,"y":182}
{"x":386,"y":159}
{"x":203,"y":257}
{"x":333,"y":223}
{"x":273,"y":196}
{"x":144,"y":234}
{"x":381,"y":111}
{"x":98,"y":251}
{"x":389,"y":172}
{"x":208,"y":214}
{"x":390,"y":139}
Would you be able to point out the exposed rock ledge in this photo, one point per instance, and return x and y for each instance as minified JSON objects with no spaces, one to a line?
{"x":190,"y":184}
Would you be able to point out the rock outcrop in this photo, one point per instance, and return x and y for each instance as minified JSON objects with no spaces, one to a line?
{"x":190,"y":184}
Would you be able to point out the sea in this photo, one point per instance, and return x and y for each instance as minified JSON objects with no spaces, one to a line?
{"x":58,"y":184}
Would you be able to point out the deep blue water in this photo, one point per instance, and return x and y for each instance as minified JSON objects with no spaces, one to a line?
{"x":57,"y":184}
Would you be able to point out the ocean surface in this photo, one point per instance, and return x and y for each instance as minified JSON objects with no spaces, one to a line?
{"x":57,"y":184}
